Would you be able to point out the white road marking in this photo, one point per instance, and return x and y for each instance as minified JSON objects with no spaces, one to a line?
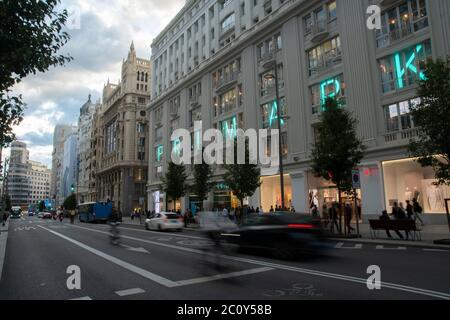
{"x":381,"y":247}
{"x":129,"y":292}
{"x":340,"y":245}
{"x":140,"y":249}
{"x":425,"y":292}
{"x":436,"y":250}
{"x":222,"y":276}
{"x":83,"y":298}
{"x":144,"y":273}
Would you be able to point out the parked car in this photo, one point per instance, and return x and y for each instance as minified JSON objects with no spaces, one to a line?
{"x":164,"y":221}
{"x":285,"y":235}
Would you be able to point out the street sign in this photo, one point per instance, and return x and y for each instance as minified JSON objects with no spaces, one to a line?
{"x":356,"y":181}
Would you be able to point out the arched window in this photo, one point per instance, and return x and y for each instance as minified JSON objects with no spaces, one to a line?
{"x":138,"y":75}
{"x":142,"y":76}
{"x":146,"y":77}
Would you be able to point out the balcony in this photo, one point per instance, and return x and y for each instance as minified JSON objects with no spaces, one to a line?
{"x":327,"y":61}
{"x":405,"y":135}
{"x":227,"y":80}
{"x":384,"y":40}
{"x":319,"y":31}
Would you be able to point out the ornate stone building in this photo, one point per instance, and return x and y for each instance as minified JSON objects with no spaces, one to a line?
{"x":121,"y":140}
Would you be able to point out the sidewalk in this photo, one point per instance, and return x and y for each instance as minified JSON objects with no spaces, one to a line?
{"x":429,"y":234}
{"x":3,"y":239}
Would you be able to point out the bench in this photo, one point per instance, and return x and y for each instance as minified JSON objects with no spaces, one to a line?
{"x":395,"y":225}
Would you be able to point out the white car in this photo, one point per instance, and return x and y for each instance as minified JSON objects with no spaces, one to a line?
{"x":164,"y":221}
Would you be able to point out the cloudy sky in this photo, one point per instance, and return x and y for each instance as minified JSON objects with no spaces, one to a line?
{"x":107,"y":28}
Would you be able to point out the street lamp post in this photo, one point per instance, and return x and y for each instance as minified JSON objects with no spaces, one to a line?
{"x":280,"y":140}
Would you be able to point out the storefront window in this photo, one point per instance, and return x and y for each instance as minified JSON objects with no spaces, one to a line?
{"x":406,"y":179}
{"x":271,"y":192}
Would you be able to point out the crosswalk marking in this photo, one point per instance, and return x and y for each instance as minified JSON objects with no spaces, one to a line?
{"x":83,"y":298}
{"x":381,"y":247}
{"x":340,"y":245}
{"x":129,"y":292}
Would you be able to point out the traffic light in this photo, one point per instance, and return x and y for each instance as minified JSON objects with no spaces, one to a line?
{"x":72,"y":188}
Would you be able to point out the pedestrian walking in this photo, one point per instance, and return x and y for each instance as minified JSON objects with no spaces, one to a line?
{"x":409,"y":210}
{"x":5,"y":217}
{"x":72,"y":216}
{"x":334,"y":218}
{"x":417,"y":210}
{"x":348,"y":211}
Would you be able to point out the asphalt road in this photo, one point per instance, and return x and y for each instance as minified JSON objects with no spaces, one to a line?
{"x":160,"y":266}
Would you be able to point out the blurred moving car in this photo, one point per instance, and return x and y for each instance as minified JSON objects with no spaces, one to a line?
{"x":285,"y":235}
{"x":164,"y":221}
{"x":44,"y":215}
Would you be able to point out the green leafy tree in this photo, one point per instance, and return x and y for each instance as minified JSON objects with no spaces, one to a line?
{"x":41,"y":206}
{"x":432,"y":116}
{"x":8,"y":202}
{"x":242,"y":179}
{"x":202,"y":181}
{"x":31,"y":34}
{"x":174,"y":182}
{"x":338,"y":150}
{"x":70,"y":203}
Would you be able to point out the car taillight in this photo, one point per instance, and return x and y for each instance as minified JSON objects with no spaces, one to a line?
{"x":300,"y":226}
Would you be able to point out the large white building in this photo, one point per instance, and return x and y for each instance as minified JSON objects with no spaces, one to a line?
{"x":39,"y":180}
{"x":60,"y":135}
{"x":84,"y":150}
{"x":210,"y":63}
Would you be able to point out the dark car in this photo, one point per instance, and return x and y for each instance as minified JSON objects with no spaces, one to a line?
{"x":285,"y":235}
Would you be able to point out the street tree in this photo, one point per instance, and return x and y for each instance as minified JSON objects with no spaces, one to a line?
{"x":337,"y":150}
{"x":242,"y":179}
{"x":202,"y":181}
{"x":31,"y":34}
{"x":41,"y":206}
{"x":70,"y":203}
{"x":432,"y":116}
{"x":174,"y":182}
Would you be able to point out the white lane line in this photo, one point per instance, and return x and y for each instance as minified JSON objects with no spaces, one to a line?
{"x":222,"y":276}
{"x":425,"y":292}
{"x":340,"y":245}
{"x":83,"y":298}
{"x":144,"y":273}
{"x":150,"y":231}
{"x":381,"y":247}
{"x":436,"y":250}
{"x":129,"y":292}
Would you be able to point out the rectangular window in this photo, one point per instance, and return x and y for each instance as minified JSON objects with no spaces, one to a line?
{"x":324,"y":56}
{"x":270,"y":114}
{"x":398,"y":117}
{"x":228,"y":23}
{"x":403,"y":69}
{"x":330,"y":88}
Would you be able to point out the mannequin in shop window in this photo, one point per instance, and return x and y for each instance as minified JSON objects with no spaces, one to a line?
{"x":435,"y":197}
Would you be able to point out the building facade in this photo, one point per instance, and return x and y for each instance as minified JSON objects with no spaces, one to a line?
{"x":60,"y":135}
{"x":85,"y":152}
{"x":122,"y":135}
{"x":39,"y":180}
{"x":18,"y":182}
{"x":210,"y":63}
{"x":69,"y":168}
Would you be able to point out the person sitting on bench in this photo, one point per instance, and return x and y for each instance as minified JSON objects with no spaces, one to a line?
{"x":385,"y":216}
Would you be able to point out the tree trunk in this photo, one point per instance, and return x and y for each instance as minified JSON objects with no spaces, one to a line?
{"x":339,"y":209}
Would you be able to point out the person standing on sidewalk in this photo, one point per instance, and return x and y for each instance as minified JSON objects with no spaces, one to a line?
{"x":409,"y":210}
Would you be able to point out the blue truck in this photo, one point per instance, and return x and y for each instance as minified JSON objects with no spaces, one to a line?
{"x":95,"y":211}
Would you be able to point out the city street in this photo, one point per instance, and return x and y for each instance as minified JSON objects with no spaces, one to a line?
{"x":159,"y":266}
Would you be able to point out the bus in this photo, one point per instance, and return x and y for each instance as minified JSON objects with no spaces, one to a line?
{"x":16,"y":212}
{"x":95,"y":211}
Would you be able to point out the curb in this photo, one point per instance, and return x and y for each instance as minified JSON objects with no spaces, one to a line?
{"x":3,"y":240}
{"x":396,"y":243}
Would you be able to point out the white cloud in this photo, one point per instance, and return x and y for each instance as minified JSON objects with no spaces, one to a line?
{"x":107,"y":29}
